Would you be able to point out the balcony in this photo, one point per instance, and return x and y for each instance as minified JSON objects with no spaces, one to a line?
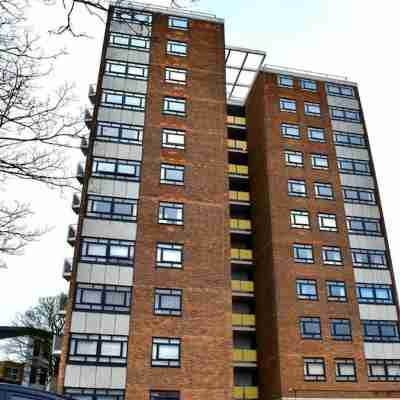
{"x":245,"y":392}
{"x":71,"y":235}
{"x":84,"y":145}
{"x":240,"y":225}
{"x":244,"y":320}
{"x":80,"y":172}
{"x":92,"y":93}
{"x":243,"y":256}
{"x":237,"y":145}
{"x":88,"y":117}
{"x":67,"y":269}
{"x":76,"y":203}
{"x":244,"y":356}
{"x":239,"y":197}
{"x":243,"y":286}
{"x":236,"y":121}
{"x":238,"y":171}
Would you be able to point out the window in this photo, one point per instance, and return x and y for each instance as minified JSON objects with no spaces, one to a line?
{"x":383,"y":370}
{"x":169,"y":255}
{"x":168,"y":301}
{"x":287,"y":105}
{"x":170,"y":213}
{"x":332,"y":255}
{"x":285,"y":81}
{"x":336,"y":291}
{"x":126,"y":70}
{"x":176,"y":48}
{"x":316,"y":135}
{"x":365,"y":258}
{"x":297,"y":188}
{"x":164,"y":395}
{"x":119,"y":133}
{"x":308,"y":84}
{"x":132,"y":16}
{"x":94,"y":394}
{"x":345,"y":114}
{"x":306,"y":289}
{"x":339,"y":90}
{"x":341,"y":329}
{"x":314,"y":369}
{"x":290,"y":131}
{"x":349,"y":139}
{"x":116,"y":99}
{"x":303,"y":253}
{"x":323,"y":191}
{"x":107,"y":251}
{"x":178,"y":23}
{"x":116,"y":169}
{"x":173,"y":139}
{"x":103,"y":298}
{"x":312,"y":109}
{"x":174,"y":106}
{"x":356,"y":167}
{"x":358,"y":195}
{"x":294,"y":158}
{"x":381,"y":331}
{"x":172,"y":174}
{"x":372,"y":293}
{"x":114,"y":208}
{"x":175,"y":75}
{"x":126,"y":41}
{"x":364,"y":226}
{"x":327,"y":222}
{"x":98,"y":349}
{"x":166,"y":352}
{"x":310,"y":328}
{"x":345,"y":370}
{"x":319,"y":161}
{"x":299,"y":219}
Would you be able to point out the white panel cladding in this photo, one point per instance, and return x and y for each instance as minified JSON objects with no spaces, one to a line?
{"x":351,"y":127}
{"x":362,"y":275}
{"x":121,"y":116}
{"x":382,"y":351}
{"x":127,"y":85}
{"x":367,"y":242}
{"x":117,"y":150}
{"x":351,"y":152}
{"x":130,"y":28}
{"x":109,"y":229}
{"x":112,"y":187}
{"x":92,"y":376}
{"x":357,"y":181}
{"x":104,"y":274}
{"x":129,"y":55}
{"x":378,"y":312}
{"x":338,"y":101}
{"x":100,"y":323}
{"x":362,"y":210}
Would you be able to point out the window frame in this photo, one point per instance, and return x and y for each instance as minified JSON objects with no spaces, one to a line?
{"x":302,"y":246}
{"x":295,"y":214}
{"x":349,"y":136}
{"x":326,"y":228}
{"x":173,"y":43}
{"x":176,"y":132}
{"x":285,"y":126}
{"x":358,"y":191}
{"x":381,"y":337}
{"x":309,"y":105}
{"x":341,"y":162}
{"x":283,"y":102}
{"x":315,"y":157}
{"x":282,"y":78}
{"x":318,"y":185}
{"x":334,"y":322}
{"x":330,"y":296}
{"x":116,"y":174}
{"x":167,"y":110}
{"x":307,"y":362}
{"x":168,"y":71}
{"x":158,"y":308}
{"x":113,"y":201}
{"x":304,"y":333}
{"x":299,"y":290}
{"x":131,"y":40}
{"x":125,"y":98}
{"x":345,"y":111}
{"x":172,"y":18}
{"x":297,"y":182}
{"x":374,"y":299}
{"x":311,"y":130}
{"x":364,"y":231}
{"x":340,"y":91}
{"x":160,"y":263}
{"x":289,"y":153}
{"x":369,"y":253}
{"x":304,"y":82}
{"x":340,"y":362}
{"x":385,"y":363}
{"x":103,"y":306}
{"x":164,"y":395}
{"x":165,"y":168}
{"x":94,"y":394}
{"x":120,"y":138}
{"x":157,"y":342}
{"x":325,"y":259}
{"x":161,"y":213}
{"x":147,"y":20}
{"x":127,"y":66}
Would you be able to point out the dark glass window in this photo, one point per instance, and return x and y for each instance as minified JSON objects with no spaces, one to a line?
{"x":168,"y":301}
{"x":125,"y":100}
{"x":306,"y":289}
{"x":336,"y":291}
{"x":316,"y":135}
{"x":349,"y":139}
{"x":344,"y":114}
{"x":94,"y":394}
{"x":308,"y":84}
{"x":164,"y":395}
{"x":358,"y":195}
{"x":339,"y":90}
{"x":354,"y":167}
{"x":112,"y":208}
{"x":371,"y":293}
{"x":332,"y":255}
{"x":341,"y":329}
{"x":364,"y":226}
{"x":381,"y":331}
{"x":120,"y":133}
{"x":303,"y":253}
{"x":297,"y":188}
{"x":365,"y":258}
{"x":310,"y":328}
{"x":115,"y":169}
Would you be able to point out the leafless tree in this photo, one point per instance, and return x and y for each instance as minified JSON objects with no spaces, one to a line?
{"x":45,"y":316}
{"x":35,"y":128}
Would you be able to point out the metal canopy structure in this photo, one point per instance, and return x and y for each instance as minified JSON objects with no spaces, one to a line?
{"x":241,"y":68}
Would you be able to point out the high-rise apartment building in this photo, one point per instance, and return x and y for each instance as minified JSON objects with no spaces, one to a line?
{"x":230,"y":242}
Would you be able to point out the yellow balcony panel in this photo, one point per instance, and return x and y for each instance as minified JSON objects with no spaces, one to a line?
{"x":237,"y":144}
{"x":239,"y":196}
{"x":245,"y":254}
{"x":245,"y":392}
{"x":244,"y":355}
{"x":230,"y":119}
{"x":238,"y":169}
{"x":243,"y":286}
{"x":244,"y":224}
{"x":244,"y":320}
{"x":237,"y":319}
{"x":237,"y":355}
{"x":235,"y":254}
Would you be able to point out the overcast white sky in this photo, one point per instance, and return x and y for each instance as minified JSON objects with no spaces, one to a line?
{"x":356,"y":38}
